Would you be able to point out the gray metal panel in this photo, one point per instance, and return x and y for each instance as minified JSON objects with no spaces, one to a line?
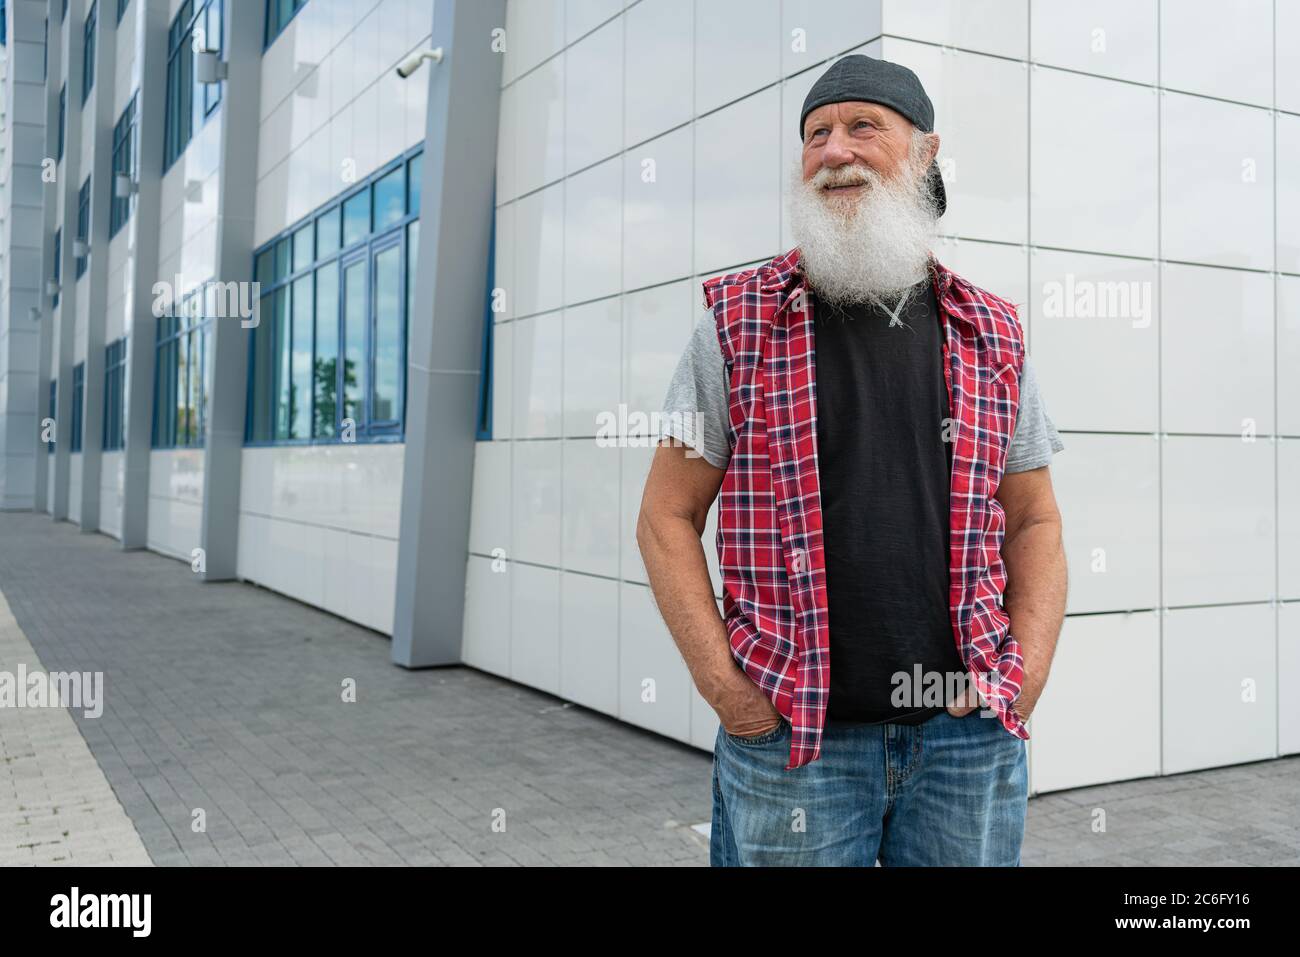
{"x":237,"y":198}
{"x":101,"y":202}
{"x":445,"y":334}
{"x":142,"y":325}
{"x":71,"y":180}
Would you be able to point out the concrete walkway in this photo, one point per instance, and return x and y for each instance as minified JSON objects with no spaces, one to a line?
{"x":56,"y":806}
{"x":226,"y":739}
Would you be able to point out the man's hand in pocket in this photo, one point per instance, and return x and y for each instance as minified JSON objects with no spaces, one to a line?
{"x":743,"y":709}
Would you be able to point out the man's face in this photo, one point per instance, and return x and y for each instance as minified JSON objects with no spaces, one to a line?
{"x":840,"y":136}
{"x":861,"y":208}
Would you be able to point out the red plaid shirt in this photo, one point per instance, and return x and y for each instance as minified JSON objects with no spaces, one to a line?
{"x":769,"y":507}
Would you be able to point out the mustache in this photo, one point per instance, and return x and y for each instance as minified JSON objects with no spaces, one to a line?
{"x":856,"y":175}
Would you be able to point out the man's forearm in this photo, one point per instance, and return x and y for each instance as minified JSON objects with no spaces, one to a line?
{"x":679,"y":577}
{"x":1035,"y":600}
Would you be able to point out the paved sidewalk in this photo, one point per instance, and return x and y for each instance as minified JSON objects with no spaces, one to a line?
{"x":56,"y":806}
{"x":226,"y":740}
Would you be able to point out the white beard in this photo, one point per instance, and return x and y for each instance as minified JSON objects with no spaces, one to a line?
{"x":869,"y":248}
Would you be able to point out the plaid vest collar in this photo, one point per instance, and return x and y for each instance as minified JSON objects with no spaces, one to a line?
{"x":769,"y":518}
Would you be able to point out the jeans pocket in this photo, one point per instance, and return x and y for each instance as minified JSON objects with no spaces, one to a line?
{"x":758,"y":740}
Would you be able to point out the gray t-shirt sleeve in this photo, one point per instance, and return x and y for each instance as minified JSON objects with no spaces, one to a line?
{"x":695,"y":409}
{"x":1035,"y":439}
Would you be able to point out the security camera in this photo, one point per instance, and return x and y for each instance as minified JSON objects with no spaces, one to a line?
{"x":412,"y":64}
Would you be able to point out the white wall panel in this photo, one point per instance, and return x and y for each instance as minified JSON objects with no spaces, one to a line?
{"x":1000,"y":27}
{"x":1219,"y":520}
{"x":1216,"y":192}
{"x":1084,"y":193}
{"x":1288,"y":355}
{"x":736,"y":217}
{"x":535,"y":627}
{"x":1219,"y":694}
{"x":1089,"y":313}
{"x":591,"y":352}
{"x":1217,"y":350}
{"x":593,"y":98}
{"x":1079,"y":737}
{"x":826,"y":28}
{"x":486,"y":642}
{"x":1195,"y":57}
{"x":1288,"y":677}
{"x":591,"y":507}
{"x":655,"y":689}
{"x":748,"y":61}
{"x":1113,"y":38}
{"x":1288,"y":519}
{"x":1108,"y":491}
{"x":660,"y":68}
{"x":658,"y":183}
{"x":112,"y":486}
{"x":593,"y":232}
{"x":589,"y":641}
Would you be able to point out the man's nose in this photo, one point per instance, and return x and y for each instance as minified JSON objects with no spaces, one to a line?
{"x":836,"y":153}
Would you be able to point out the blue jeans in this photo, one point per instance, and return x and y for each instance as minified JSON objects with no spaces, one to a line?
{"x":949,"y":792}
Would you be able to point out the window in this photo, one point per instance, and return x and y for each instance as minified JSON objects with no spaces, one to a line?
{"x":198,"y":26}
{"x":4,"y":26}
{"x":483,"y":428}
{"x":64,"y":15}
{"x":278,"y":15}
{"x":121,"y":9}
{"x":83,"y":223}
{"x":88,"y":53}
{"x":114,"y":394}
{"x":58,"y":264}
{"x":78,"y":400}
{"x":124,"y":163}
{"x":336,"y":292}
{"x":182,"y":375}
{"x":63,"y":119}
{"x":52,"y":407}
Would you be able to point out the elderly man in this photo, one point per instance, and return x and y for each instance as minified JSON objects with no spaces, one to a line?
{"x":889,"y":542}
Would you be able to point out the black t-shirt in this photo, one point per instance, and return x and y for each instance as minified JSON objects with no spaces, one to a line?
{"x":884,"y":470}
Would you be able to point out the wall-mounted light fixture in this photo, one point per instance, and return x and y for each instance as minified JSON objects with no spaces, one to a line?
{"x":80,"y":249}
{"x":52,"y":288}
{"x":209,"y":68}
{"x":412,"y":64}
{"x":124,"y":186}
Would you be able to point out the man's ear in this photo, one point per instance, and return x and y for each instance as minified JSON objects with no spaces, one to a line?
{"x":932,"y":147}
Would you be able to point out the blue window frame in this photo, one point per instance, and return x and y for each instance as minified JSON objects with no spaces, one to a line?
{"x":52,"y":408}
{"x":83,"y":223}
{"x":124,"y":162}
{"x":336,"y":297}
{"x":182,"y":375}
{"x":88,"y":52}
{"x":78,"y":400}
{"x":114,"y":395}
{"x":198,"y":25}
{"x":58,"y":264}
{"x":121,"y":9}
{"x":278,"y":15}
{"x":63,"y":119}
